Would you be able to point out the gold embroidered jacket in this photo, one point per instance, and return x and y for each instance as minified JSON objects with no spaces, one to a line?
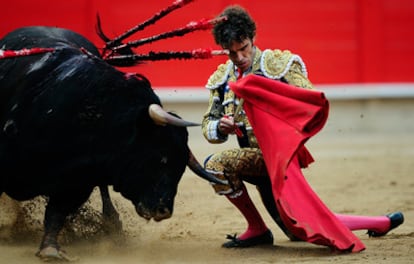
{"x":274,"y":64}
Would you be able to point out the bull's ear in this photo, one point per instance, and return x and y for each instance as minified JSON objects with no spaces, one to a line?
{"x":162,"y":117}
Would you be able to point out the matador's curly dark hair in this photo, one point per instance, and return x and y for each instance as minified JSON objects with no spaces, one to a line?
{"x":238,"y":26}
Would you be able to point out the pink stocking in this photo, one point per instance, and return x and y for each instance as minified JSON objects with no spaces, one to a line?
{"x":256,"y":225}
{"x":378,"y":224}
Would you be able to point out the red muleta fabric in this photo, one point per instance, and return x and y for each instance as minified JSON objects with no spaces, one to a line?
{"x":284,"y":117}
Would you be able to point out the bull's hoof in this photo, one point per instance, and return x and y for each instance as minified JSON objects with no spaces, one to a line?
{"x":53,"y":254}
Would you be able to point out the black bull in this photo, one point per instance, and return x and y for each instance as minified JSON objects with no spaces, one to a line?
{"x":70,"y":122}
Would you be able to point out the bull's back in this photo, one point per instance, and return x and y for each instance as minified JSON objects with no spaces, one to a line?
{"x":18,"y":73}
{"x":23,"y":72}
{"x":45,"y":37}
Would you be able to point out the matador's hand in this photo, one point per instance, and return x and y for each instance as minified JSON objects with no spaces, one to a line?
{"x":226,"y":125}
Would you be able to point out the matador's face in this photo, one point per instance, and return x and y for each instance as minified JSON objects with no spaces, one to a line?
{"x":242,"y":53}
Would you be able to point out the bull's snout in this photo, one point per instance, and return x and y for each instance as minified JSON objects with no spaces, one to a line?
{"x":160,"y":213}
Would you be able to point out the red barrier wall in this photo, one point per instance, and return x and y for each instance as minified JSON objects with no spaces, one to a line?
{"x":341,"y":41}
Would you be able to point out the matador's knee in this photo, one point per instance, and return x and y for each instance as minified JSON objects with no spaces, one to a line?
{"x":223,"y":167}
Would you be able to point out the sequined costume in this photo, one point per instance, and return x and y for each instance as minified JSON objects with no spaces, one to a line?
{"x":244,"y":163}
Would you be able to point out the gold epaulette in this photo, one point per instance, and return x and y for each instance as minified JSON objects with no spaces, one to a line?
{"x":220,"y":75}
{"x":276,"y":63}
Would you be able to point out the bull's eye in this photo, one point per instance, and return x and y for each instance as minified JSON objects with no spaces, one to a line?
{"x":164,"y":160}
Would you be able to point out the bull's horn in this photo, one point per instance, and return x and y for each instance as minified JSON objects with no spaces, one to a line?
{"x":195,"y":166}
{"x":162,"y":117}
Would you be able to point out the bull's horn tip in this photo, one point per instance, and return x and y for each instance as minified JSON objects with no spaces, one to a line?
{"x":193,"y":124}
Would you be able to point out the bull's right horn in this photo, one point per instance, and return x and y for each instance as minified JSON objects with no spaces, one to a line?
{"x":162,"y":117}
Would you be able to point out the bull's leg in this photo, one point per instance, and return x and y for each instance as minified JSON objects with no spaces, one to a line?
{"x":57,"y":210}
{"x":112,"y":223}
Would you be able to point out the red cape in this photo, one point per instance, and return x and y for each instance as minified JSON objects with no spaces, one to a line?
{"x":284,"y":117}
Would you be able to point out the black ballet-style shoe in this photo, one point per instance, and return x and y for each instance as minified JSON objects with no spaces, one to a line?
{"x":396,"y":219}
{"x":264,"y":239}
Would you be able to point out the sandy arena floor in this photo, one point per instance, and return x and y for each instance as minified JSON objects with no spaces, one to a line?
{"x":356,"y":172}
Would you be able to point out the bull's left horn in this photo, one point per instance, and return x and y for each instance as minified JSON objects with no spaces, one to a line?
{"x":196,"y":167}
{"x":162,"y":117}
